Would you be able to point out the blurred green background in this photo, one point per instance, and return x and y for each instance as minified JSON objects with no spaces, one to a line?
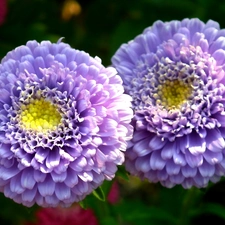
{"x":99,"y":27}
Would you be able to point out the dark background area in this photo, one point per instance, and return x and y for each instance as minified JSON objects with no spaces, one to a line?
{"x":101,"y":26}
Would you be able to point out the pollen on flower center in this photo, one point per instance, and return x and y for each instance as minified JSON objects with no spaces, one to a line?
{"x":173,"y":93}
{"x":40,"y":115}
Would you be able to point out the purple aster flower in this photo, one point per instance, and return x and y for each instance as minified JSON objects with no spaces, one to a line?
{"x":64,"y":124}
{"x":174,"y":72}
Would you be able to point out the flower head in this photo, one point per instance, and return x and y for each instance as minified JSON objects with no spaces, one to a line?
{"x":74,"y":215}
{"x":64,"y":124}
{"x":174,"y":72}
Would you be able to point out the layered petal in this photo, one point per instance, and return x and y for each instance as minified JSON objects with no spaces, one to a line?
{"x":174,"y":72}
{"x":64,"y":124}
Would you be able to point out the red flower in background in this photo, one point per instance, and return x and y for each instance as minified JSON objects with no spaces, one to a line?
{"x":3,"y":10}
{"x":74,"y":215}
{"x":65,"y":216}
{"x":114,"y":193}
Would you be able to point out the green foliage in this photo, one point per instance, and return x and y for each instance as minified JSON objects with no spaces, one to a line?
{"x":121,"y":172}
{"x":11,"y":213}
{"x":99,"y":194}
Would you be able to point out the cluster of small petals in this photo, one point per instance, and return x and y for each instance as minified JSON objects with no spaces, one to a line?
{"x":64,"y":124}
{"x":63,"y":216}
{"x":179,"y":137}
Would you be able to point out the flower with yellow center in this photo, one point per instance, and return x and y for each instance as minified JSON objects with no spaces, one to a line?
{"x":175,"y":73}
{"x":173,"y":93}
{"x":40,"y":116}
{"x":64,"y":124}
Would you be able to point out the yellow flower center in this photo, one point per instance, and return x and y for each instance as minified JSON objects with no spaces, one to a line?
{"x":40,"y":115}
{"x":173,"y":93}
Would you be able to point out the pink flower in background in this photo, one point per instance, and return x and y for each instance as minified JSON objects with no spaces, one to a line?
{"x":65,"y":216}
{"x":3,"y":10}
{"x":114,"y":193}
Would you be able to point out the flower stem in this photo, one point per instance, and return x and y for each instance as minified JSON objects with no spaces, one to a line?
{"x":190,"y":199}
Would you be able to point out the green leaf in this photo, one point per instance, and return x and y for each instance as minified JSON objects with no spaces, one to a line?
{"x":109,"y":221}
{"x":211,"y":208}
{"x":121,"y":172}
{"x":83,"y":204}
{"x":138,"y":212}
{"x":152,"y":213}
{"x":99,"y":194}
